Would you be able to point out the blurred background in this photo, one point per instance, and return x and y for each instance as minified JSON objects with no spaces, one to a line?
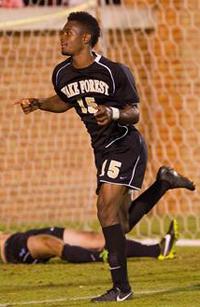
{"x":47,"y":173}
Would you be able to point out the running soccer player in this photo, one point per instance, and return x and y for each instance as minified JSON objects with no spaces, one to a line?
{"x":40,"y":245}
{"x":105,"y":97}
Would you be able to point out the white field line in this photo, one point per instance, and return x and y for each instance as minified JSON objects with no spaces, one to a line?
{"x":80,"y":298}
{"x":180,"y":242}
{"x":188,"y":242}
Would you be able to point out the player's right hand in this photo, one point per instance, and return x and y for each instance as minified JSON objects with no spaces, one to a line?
{"x":103,"y":115}
{"x":28,"y":104}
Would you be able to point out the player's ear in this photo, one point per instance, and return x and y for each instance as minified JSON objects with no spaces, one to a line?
{"x":86,"y":38}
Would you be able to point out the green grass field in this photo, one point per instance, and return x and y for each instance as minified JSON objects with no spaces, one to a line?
{"x":156,"y":283}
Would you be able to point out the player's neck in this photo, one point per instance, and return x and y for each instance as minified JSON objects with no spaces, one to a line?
{"x":83,"y":59}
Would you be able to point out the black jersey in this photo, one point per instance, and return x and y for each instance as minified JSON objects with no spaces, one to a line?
{"x":102,"y":83}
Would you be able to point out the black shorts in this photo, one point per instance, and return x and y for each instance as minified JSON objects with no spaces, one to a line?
{"x":123,"y":162}
{"x":52,"y":231}
{"x":16,"y":250}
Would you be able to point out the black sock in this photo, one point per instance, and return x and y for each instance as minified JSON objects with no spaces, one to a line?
{"x":137,"y":249}
{"x":116,"y":246}
{"x":77,"y":254}
{"x":146,"y":201}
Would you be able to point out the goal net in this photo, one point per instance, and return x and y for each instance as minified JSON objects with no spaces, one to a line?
{"x":47,"y":167}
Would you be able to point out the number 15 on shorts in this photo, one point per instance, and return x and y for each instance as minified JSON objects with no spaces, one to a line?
{"x":113,"y":169}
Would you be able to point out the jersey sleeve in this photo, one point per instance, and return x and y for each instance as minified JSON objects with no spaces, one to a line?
{"x":125,"y":86}
{"x":55,"y":85}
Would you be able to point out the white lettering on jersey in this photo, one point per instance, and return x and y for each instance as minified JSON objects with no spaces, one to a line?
{"x":71,"y":89}
{"x":85,"y":86}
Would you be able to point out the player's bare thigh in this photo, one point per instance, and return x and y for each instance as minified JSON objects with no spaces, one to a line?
{"x":124,"y":212}
{"x":86,"y":239}
{"x":43,"y":246}
{"x":111,"y":198}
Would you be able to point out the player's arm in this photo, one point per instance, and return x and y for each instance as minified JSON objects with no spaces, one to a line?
{"x":126,"y":93}
{"x":52,"y":104}
{"x":126,"y":116}
{"x":130,"y":114}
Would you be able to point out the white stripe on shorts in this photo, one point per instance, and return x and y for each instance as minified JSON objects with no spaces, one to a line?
{"x":134,"y":169}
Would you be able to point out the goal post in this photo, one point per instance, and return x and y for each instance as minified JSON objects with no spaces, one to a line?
{"x":47,"y":168}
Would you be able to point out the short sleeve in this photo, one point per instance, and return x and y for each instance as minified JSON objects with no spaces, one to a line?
{"x":56,"y":87}
{"x":125,"y":86}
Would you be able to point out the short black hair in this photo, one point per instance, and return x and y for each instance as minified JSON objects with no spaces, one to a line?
{"x":89,"y":22}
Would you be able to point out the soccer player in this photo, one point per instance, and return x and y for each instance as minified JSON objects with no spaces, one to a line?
{"x":40,"y":245}
{"x":105,"y":97}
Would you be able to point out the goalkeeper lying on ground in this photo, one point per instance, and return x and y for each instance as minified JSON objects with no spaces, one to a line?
{"x":40,"y":245}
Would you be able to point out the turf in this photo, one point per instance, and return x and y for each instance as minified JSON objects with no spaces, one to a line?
{"x":156,"y":283}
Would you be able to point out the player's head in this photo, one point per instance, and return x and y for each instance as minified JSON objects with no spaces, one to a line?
{"x":81,"y":30}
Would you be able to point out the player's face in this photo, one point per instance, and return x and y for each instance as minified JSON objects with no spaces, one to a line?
{"x":72,"y":38}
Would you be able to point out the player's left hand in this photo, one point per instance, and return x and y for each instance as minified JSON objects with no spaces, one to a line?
{"x":103,"y":115}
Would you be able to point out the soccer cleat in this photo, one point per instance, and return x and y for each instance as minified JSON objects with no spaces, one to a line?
{"x":174,"y":179}
{"x":113,"y":295}
{"x":167,"y":244}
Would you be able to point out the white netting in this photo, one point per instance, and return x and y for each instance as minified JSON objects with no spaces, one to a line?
{"x":160,"y":41}
{"x":47,"y":171}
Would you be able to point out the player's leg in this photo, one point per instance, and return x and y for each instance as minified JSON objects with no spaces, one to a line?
{"x":124,"y":212}
{"x":108,"y":204}
{"x":85,"y":239}
{"x":137,"y":249}
{"x":165,"y":249}
{"x":167,"y":178}
{"x":119,"y":169}
{"x":44,"y":246}
{"x":78,"y":254}
{"x":47,"y":246}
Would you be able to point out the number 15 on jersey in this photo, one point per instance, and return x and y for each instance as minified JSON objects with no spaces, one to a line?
{"x":88,"y":105}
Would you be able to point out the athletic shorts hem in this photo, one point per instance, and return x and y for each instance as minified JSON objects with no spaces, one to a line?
{"x":125,"y":184}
